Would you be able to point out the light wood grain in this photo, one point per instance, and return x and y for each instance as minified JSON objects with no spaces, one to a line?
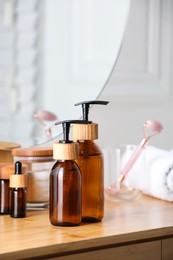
{"x":6,"y":151}
{"x":85,"y":131}
{"x":124,"y":224}
{"x":65,"y":151}
{"x":18,"y":180}
{"x":33,"y":152}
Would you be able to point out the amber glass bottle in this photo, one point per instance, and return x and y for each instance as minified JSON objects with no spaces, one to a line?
{"x":18,"y":192}
{"x":91,"y":164}
{"x":65,"y":194}
{"x":65,"y":198}
{"x":4,"y":189}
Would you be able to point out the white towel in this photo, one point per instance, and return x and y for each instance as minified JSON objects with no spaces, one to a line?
{"x":161,"y":178}
{"x":153,"y":173}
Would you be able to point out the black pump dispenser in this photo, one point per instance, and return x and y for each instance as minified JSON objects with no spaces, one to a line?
{"x":86,"y":106}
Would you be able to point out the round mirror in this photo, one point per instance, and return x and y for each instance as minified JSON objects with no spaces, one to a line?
{"x":79,"y":42}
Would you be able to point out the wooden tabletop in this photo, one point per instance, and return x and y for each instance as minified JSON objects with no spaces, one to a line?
{"x":123,"y":222}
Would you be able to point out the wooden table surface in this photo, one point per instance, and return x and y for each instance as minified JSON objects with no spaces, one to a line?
{"x":123,"y":222}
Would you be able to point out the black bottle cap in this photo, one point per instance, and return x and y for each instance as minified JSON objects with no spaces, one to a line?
{"x":18,"y":168}
{"x":86,"y":106}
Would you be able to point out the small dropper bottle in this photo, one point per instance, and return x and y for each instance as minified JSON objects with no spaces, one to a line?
{"x":91,"y":165}
{"x":65,"y":207}
{"x":18,"y":183}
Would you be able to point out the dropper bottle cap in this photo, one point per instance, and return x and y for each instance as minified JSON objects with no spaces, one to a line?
{"x":87,"y":131}
{"x":67,"y":149}
{"x":18,"y":180}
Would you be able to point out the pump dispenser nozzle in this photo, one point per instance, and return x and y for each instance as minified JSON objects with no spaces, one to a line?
{"x":86,"y":106}
{"x":86,"y":131}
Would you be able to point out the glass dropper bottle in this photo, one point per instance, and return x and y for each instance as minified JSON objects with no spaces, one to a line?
{"x":18,"y":183}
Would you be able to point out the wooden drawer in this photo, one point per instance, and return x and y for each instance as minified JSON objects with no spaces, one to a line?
{"x":167,"y":249}
{"x":142,"y":251}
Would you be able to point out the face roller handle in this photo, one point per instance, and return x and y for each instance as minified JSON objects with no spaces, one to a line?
{"x":132,"y":160}
{"x":155,"y":128}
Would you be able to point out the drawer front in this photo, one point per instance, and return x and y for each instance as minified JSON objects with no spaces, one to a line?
{"x":142,"y":251}
{"x":167,"y":249}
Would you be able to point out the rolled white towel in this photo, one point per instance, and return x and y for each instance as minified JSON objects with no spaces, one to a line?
{"x":161,"y":179}
{"x":153,"y":173}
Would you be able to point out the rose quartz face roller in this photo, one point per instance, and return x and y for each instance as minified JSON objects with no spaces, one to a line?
{"x":41,"y":116}
{"x":151,"y":128}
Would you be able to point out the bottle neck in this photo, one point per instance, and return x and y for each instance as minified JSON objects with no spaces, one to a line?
{"x":86,"y":141}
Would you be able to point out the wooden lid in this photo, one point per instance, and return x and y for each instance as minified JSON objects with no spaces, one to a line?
{"x":7,"y":169}
{"x":85,"y":131}
{"x":8,"y":145}
{"x":33,"y":152}
{"x":18,"y":180}
{"x":65,"y":151}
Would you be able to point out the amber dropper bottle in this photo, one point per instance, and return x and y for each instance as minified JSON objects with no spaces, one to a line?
{"x":65,"y":207}
{"x":18,"y":192}
{"x":4,"y":189}
{"x":91,"y":164}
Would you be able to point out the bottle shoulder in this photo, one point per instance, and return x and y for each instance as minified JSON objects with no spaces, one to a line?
{"x":89,"y":147}
{"x":65,"y":165}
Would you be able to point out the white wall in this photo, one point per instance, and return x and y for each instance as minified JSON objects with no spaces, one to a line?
{"x":140,"y":87}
